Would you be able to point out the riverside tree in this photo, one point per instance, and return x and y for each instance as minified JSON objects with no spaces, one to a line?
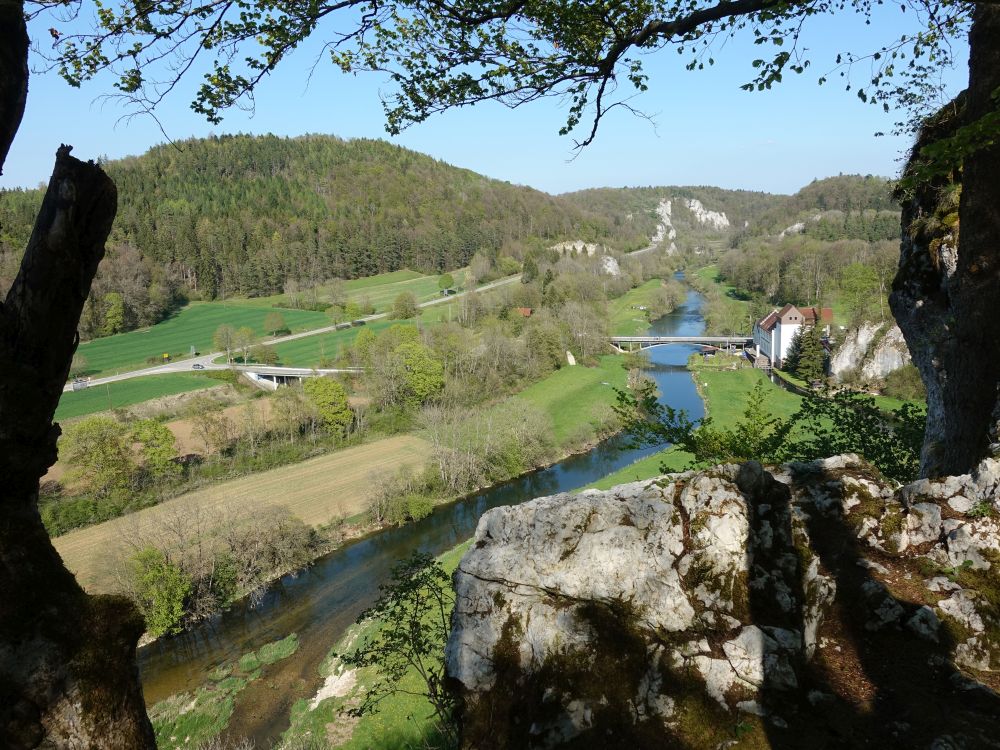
{"x":330,"y":400}
{"x":440,"y":54}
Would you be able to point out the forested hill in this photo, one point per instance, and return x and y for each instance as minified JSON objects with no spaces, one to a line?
{"x":834,"y":208}
{"x":843,"y":207}
{"x":249,"y":213}
{"x":740,"y":206}
{"x":243,"y":215}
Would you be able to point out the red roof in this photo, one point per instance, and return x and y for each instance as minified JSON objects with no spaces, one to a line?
{"x":769,"y":322}
{"x":809,"y":315}
{"x":525,"y":311}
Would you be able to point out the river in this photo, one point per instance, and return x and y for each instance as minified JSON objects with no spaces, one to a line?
{"x":321,"y":602}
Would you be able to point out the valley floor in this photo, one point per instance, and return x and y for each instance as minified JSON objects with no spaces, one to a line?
{"x":316,"y":491}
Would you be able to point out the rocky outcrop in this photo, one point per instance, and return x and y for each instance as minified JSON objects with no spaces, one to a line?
{"x":665,"y":231}
{"x":712,"y":219}
{"x":888,"y":355}
{"x":809,"y":606}
{"x":870,"y":351}
{"x":853,"y":349}
{"x":609,"y":266}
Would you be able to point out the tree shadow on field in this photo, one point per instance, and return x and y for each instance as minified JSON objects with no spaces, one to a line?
{"x":864,"y":686}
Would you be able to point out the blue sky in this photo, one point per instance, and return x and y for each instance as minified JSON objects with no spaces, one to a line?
{"x":707,"y":131}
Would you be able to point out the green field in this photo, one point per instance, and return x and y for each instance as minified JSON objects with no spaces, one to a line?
{"x":710,"y":275}
{"x":128,"y":392}
{"x":574,"y":396}
{"x":623,"y":318}
{"x":380,"y":290}
{"x":193,"y":326}
{"x":312,"y":350}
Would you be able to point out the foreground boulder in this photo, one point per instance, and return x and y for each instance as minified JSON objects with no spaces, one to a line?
{"x":812,"y":606}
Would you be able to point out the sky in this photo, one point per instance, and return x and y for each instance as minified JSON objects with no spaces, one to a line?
{"x":705,"y":130}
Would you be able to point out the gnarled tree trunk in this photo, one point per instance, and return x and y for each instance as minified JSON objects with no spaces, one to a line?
{"x":68,"y":675}
{"x":946,"y":295}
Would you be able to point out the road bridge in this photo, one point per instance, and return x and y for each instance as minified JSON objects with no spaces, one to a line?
{"x":634,"y":343}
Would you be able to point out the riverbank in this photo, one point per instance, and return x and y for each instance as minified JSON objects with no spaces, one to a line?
{"x":402,"y":720}
{"x":724,"y":392}
{"x":321,"y":602}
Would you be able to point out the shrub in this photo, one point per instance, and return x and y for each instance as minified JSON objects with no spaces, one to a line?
{"x":159,"y":589}
{"x":905,"y":384}
{"x":418,"y":506}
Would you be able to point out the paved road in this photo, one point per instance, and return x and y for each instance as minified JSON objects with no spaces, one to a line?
{"x":207,"y":360}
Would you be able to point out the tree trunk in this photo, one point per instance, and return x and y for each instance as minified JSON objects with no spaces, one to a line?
{"x":13,"y":72}
{"x":68,"y":675}
{"x":946,"y":295}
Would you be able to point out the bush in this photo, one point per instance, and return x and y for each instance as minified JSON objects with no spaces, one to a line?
{"x":404,"y":306}
{"x":905,"y":384}
{"x":159,"y":589}
{"x":418,"y":506}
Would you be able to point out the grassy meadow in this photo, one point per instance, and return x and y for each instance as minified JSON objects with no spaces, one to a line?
{"x":316,"y":491}
{"x":191,"y":327}
{"x":725,"y":394}
{"x":379,"y":290}
{"x":97,"y":398}
{"x":574,"y":397}
{"x":623,"y":318}
{"x":313,"y":350}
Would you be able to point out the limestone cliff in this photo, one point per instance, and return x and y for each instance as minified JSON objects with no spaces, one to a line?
{"x":872,"y":350}
{"x":809,"y":606}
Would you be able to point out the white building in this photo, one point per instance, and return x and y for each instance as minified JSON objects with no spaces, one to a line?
{"x":773,"y":335}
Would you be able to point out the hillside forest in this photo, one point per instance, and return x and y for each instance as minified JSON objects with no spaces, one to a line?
{"x":245,"y":216}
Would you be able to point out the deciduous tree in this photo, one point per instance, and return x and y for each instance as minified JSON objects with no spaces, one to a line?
{"x":157,"y":444}
{"x":273,"y":322}
{"x":244,"y":338}
{"x":98,"y":450}
{"x":330,"y":399}
{"x":224,"y":338}
{"x":160,"y":588}
{"x":114,"y":314}
{"x":404,"y":306}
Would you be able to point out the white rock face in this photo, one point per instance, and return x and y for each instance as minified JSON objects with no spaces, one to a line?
{"x":665,"y":231}
{"x":610,"y":267}
{"x":573,"y":608}
{"x":888,"y":355}
{"x":797,"y":228}
{"x":852,"y":350}
{"x":714,"y":219}
{"x":857,"y":352}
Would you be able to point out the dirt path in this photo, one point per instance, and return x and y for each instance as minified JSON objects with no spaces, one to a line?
{"x":317,"y":491}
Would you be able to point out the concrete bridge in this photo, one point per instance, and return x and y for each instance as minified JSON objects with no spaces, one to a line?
{"x":270,"y":377}
{"x":634,"y":343}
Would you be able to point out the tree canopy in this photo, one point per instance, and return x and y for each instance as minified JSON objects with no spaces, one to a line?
{"x":441,"y":54}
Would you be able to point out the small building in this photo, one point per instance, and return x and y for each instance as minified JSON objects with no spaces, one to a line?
{"x":772,"y":335}
{"x":524,"y":312}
